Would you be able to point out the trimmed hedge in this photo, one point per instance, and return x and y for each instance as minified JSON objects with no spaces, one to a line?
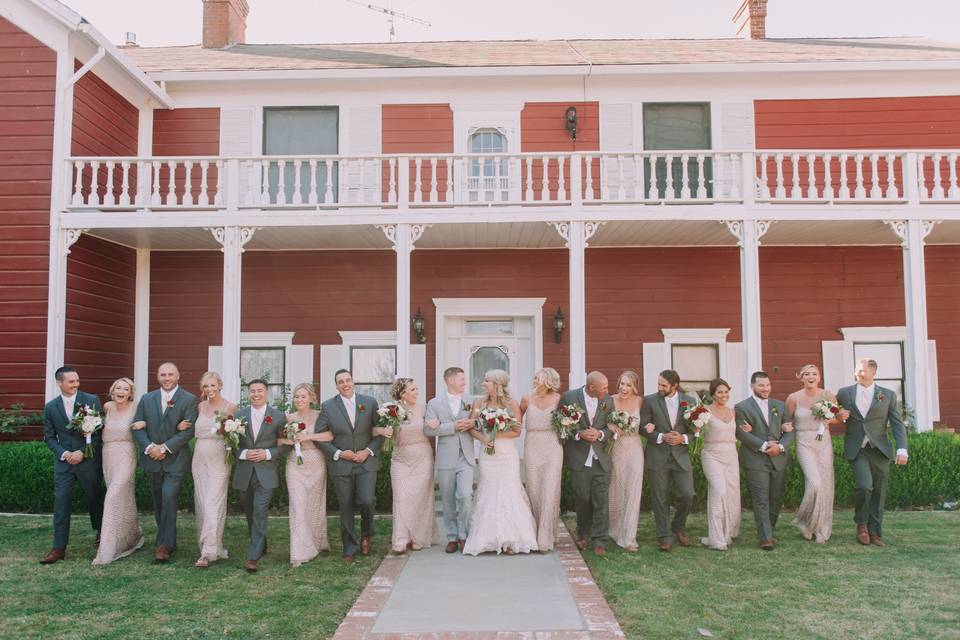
{"x":933,"y":476}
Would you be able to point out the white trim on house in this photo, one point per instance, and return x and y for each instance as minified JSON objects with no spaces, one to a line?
{"x":298,"y":358}
{"x":658,"y":356}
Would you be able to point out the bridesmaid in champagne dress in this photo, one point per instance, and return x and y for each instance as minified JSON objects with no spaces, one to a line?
{"x":211,"y":473}
{"x":307,"y":482}
{"x":120,"y":533}
{"x":814,"y":517}
{"x":543,"y":455}
{"x":626,"y":478}
{"x":722,"y":470}
{"x":411,"y":472}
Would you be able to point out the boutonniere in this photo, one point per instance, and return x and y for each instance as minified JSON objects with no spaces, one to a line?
{"x":268,"y":420}
{"x":466,"y":406}
{"x":879,"y":397}
{"x":683,"y":404}
{"x":361,"y":408}
{"x":774,"y":411}
{"x":170,"y":402}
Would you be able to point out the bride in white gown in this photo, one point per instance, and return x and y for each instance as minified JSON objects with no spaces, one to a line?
{"x":502,"y":520}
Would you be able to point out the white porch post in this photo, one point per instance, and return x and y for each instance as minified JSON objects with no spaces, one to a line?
{"x":576,"y":233}
{"x":918,"y":383}
{"x":748,"y":234}
{"x":57,"y":304}
{"x":403,"y":236}
{"x":232,"y":241}
{"x":141,"y":324}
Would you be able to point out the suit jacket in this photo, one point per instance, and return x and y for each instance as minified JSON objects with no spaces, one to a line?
{"x":266,"y":439}
{"x":449,"y":441}
{"x":763,"y":428}
{"x":883,"y":410}
{"x":575,"y":451}
{"x":162,"y":429}
{"x":346,"y":436}
{"x":60,"y":437}
{"x":654,"y":410}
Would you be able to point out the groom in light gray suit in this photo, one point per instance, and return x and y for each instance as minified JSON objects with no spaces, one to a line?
{"x":455,"y":455}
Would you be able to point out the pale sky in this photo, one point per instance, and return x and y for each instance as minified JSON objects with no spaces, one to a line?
{"x":172,"y":22}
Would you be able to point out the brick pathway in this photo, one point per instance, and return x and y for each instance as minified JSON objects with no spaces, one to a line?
{"x":596,"y":619}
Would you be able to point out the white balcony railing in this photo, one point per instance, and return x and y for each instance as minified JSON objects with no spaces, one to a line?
{"x":519,"y":180}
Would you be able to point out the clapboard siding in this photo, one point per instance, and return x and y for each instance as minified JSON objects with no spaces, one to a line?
{"x":417,"y":128}
{"x":943,"y":311}
{"x":27,"y":96}
{"x":186,"y":132}
{"x":542,"y":129}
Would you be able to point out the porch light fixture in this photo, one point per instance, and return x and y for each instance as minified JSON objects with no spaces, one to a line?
{"x":559,"y":323}
{"x":418,"y":327}
{"x":570,"y":122}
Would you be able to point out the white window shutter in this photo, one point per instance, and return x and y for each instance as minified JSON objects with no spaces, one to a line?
{"x":616,"y":136}
{"x":836,"y":371}
{"x":332,"y":358}
{"x":653,"y":358}
{"x":934,"y":381}
{"x":299,"y":364}
{"x":237,"y":140}
{"x":734,"y":374}
{"x":215,"y":358}
{"x":418,"y":368}
{"x":360,"y":179}
{"x":737,"y":133}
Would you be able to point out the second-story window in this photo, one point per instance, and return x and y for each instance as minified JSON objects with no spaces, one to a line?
{"x":676,"y":126}
{"x":301,"y":131}
{"x":489,"y":177}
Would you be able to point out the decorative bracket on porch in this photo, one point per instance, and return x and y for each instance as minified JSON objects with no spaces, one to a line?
{"x":220,"y":235}
{"x":390,"y":231}
{"x":899,"y":227}
{"x":589,"y":228}
{"x":70,"y":237}
{"x":736,"y":228}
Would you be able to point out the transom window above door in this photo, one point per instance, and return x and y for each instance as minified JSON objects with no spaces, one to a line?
{"x":489,"y":327}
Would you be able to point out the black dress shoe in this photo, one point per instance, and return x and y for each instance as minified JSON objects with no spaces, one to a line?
{"x":451,"y":546}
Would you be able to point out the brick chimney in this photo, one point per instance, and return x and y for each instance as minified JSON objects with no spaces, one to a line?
{"x":224,"y":23}
{"x":752,"y":19}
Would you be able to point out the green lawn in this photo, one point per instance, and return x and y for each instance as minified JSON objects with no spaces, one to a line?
{"x":909,"y":589}
{"x":134,"y":598}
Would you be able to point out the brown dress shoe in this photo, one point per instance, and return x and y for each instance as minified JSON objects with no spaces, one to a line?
{"x":875,"y":540}
{"x":348,"y":559}
{"x":863,"y":536}
{"x":452,"y":546}
{"x":250,"y":566}
{"x":766,"y":545}
{"x":665,"y":547}
{"x":162,"y":554}
{"x":682,"y":538}
{"x":582,"y":544}
{"x":365,"y":543}
{"x":55,"y":555}
{"x":599,"y":551}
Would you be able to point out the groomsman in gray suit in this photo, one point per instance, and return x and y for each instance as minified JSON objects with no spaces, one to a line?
{"x":867,"y":409}
{"x":255,"y":474}
{"x":764,"y":453}
{"x":353,"y":461}
{"x":69,"y":465}
{"x":668,"y":457}
{"x":588,"y":463}
{"x":162,"y":427}
{"x":455,"y":456}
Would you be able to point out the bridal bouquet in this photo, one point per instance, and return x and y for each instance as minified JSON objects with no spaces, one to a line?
{"x":825,"y":411}
{"x":87,"y":421}
{"x":391,"y":414}
{"x":493,"y":420}
{"x":623,"y":421}
{"x":565,"y":419}
{"x":230,"y":429}
{"x":292,"y":431}
{"x":696,"y":417}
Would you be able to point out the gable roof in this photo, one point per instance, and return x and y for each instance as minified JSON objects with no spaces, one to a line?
{"x":538,"y":53}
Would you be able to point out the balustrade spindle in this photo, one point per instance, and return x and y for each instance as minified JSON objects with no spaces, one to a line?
{"x":171,"y":200}
{"x":828,"y":176}
{"x":954,"y":191}
{"x":701,"y":178}
{"x":938,"y":192}
{"x":77,"y":200}
{"x":433,"y":181}
{"x":874,"y":175}
{"x":795,"y":175}
{"x":297,"y":196}
{"x":125,"y":184}
{"x":188,"y":183}
{"x":265,"y":182}
{"x":312,"y":182}
{"x":588,"y":191}
{"x":844,"y":182}
{"x":95,"y":184}
{"x":282,"y":183}
{"x":670,"y":192}
{"x":155,"y":198}
{"x":764,"y":177}
{"x":684,"y":177}
{"x":781,"y":190}
{"x":448,"y":180}
{"x":529,"y":190}
{"x":545,"y":179}
{"x":418,"y":181}
{"x":861,"y":191}
{"x":621,"y":181}
{"x":108,"y":197}
{"x":654,"y":187}
{"x":222,"y":180}
{"x":204,"y":198}
{"x":891,"y":191}
{"x":328,"y":191}
{"x":561,"y":180}
{"x":812,"y":177}
{"x":392,"y":181}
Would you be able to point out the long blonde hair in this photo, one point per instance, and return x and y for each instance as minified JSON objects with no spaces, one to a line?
{"x":501,"y":381}
{"x":549,"y":378}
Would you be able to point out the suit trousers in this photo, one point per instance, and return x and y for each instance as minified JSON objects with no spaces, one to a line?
{"x":591,"y":496}
{"x":255,"y":500}
{"x":871,"y":472}
{"x":91,"y":482}
{"x":456,"y":496}
{"x":165,"y":486}
{"x":766,"y":495}
{"x":660,"y":495}
{"x":358,"y":488}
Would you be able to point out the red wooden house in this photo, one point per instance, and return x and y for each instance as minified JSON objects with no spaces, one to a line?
{"x":714,"y":206}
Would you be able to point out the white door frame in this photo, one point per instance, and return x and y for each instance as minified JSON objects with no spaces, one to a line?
{"x":486,"y":307}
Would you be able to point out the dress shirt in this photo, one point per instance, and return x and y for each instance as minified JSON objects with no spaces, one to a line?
{"x":68,"y":404}
{"x":864,"y":402}
{"x":455,"y":402}
{"x":350,"y":404}
{"x":764,"y":404}
{"x":256,"y":421}
{"x":592,"y":405}
{"x":673,"y":410}
{"x":166,"y":397}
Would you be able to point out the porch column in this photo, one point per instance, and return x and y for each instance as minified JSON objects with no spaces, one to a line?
{"x":748,"y":234}
{"x":232,"y":241}
{"x":919,"y":385}
{"x":576,"y":233}
{"x":57,"y":305}
{"x":141,"y":324}
{"x":403,"y":236}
